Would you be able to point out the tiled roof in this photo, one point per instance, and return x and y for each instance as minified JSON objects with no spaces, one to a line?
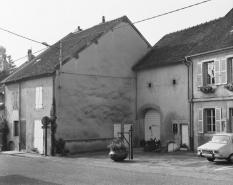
{"x":173,"y":47}
{"x":47,"y":62}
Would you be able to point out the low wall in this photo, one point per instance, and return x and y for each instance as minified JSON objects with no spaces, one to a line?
{"x":75,"y":146}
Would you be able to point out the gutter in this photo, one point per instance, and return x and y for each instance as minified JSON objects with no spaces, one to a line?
{"x":209,"y":52}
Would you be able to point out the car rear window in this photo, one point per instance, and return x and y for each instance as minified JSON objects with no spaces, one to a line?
{"x":220,"y":139}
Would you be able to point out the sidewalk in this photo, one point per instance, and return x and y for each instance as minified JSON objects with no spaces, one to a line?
{"x":138,"y":154}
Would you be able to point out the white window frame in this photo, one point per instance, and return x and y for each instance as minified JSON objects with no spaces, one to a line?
{"x":39,"y":97}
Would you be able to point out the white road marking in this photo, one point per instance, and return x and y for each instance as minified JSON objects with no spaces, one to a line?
{"x":225,"y":168}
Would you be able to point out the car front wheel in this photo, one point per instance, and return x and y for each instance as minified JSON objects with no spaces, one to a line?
{"x":211,"y":159}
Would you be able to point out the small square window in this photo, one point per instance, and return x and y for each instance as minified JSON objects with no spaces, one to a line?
{"x":173,"y":81}
{"x":149,"y":85}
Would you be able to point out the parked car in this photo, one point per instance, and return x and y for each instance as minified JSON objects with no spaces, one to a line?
{"x":220,"y":146}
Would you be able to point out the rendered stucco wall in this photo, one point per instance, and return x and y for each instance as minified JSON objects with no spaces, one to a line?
{"x":28,"y":111}
{"x":220,"y":98}
{"x":98,"y":89}
{"x":169,"y":99}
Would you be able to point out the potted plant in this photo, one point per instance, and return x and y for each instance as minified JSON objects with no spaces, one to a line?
{"x":118,"y":150}
{"x":184,"y":147}
{"x":207,"y":89}
{"x":229,"y":86}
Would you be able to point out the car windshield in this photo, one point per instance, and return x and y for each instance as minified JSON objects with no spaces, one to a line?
{"x":220,"y":139}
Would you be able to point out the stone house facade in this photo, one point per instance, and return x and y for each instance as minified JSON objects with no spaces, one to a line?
{"x":93,"y":87}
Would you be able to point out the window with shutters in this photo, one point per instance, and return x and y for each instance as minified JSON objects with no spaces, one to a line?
{"x":39,"y":97}
{"x":15,"y":100}
{"x":209,"y":120}
{"x":230,"y":69}
{"x":214,"y":72}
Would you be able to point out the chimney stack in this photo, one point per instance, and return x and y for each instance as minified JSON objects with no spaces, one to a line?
{"x":79,"y":29}
{"x":103,"y":19}
{"x":29,"y":55}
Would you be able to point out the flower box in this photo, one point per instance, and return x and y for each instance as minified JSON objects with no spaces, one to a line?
{"x":229,"y":86}
{"x":207,"y":89}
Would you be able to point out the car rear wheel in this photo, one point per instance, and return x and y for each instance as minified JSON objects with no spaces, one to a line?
{"x":230,"y":159}
{"x":211,"y":159}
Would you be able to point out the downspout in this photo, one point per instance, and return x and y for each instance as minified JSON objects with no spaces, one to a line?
{"x":136,"y":102}
{"x":19,"y":112}
{"x":189,"y":64}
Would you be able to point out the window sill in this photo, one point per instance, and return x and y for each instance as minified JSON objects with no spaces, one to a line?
{"x":38,"y":109}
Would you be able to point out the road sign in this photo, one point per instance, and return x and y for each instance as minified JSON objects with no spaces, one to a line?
{"x":45,"y":120}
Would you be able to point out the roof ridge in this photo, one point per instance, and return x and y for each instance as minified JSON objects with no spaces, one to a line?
{"x":120,"y":18}
{"x":207,"y":22}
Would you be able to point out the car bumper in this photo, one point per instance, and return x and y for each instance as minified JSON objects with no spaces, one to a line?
{"x":218,"y":156}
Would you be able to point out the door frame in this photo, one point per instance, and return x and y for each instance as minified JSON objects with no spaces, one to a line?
{"x":181,"y":124}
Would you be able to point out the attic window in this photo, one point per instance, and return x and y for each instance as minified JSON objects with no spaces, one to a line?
{"x":149,"y":85}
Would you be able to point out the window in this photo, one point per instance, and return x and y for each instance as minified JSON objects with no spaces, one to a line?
{"x":16,"y":128}
{"x":230,"y":69}
{"x":212,"y":72}
{"x":209,"y":120}
{"x":149,"y":85}
{"x":39,"y":97}
{"x":209,"y":73}
{"x":15,"y":100}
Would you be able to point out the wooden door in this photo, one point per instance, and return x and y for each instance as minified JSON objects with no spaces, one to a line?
{"x":38,"y":136}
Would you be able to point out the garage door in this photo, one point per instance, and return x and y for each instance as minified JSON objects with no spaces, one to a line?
{"x":38,"y":136}
{"x":152,"y":124}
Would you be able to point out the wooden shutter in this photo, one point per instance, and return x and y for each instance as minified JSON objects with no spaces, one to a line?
{"x":224,"y":71}
{"x":13,"y":95}
{"x":39,"y":97}
{"x":217,"y":72}
{"x":200,"y":121}
{"x":16,"y":99}
{"x":199,"y":75}
{"x":218,"y":120}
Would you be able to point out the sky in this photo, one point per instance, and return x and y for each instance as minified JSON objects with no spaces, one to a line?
{"x":50,"y":20}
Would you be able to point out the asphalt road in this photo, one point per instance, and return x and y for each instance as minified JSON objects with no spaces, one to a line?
{"x":80,"y":170}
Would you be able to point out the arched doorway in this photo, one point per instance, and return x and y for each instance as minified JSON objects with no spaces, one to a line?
{"x":152,"y":124}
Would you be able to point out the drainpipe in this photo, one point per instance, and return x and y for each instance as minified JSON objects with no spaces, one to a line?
{"x":189,"y":64}
{"x":136,"y":114}
{"x":19,"y":112}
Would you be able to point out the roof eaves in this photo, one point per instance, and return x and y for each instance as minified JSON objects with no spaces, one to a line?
{"x":158,"y":65}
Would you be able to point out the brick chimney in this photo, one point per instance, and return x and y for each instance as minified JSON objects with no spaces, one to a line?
{"x":78,"y":30}
{"x":103,"y":19}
